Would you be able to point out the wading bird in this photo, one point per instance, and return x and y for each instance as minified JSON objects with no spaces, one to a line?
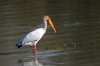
{"x":33,"y":37}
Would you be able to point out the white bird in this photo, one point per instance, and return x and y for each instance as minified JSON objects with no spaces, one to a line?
{"x":33,"y":37}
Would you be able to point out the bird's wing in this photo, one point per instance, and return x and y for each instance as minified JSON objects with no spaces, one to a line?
{"x":34,"y":36}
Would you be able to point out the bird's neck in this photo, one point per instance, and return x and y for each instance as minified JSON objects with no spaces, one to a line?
{"x":45,"y":24}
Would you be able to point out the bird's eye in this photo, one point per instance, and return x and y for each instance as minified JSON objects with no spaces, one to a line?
{"x":46,"y":18}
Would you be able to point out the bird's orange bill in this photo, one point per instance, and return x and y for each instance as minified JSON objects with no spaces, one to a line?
{"x":51,"y":24}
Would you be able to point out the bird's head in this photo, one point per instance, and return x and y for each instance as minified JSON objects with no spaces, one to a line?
{"x":47,"y":18}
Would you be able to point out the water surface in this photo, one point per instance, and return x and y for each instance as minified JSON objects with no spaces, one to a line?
{"x":76,"y":42}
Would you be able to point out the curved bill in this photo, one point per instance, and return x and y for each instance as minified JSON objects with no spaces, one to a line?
{"x":51,"y":24}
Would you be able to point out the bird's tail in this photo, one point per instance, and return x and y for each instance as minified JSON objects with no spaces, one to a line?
{"x":20,"y":43}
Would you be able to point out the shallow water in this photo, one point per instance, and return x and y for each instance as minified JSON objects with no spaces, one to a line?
{"x":76,"y":42}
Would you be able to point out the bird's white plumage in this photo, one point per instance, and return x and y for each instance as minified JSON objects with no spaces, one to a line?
{"x":33,"y":37}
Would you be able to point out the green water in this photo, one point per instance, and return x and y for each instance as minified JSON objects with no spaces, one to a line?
{"x":76,"y":42}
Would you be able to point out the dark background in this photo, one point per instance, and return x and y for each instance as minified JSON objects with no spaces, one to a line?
{"x":77,"y":23}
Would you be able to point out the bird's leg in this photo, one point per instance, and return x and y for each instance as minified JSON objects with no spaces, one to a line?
{"x":35,"y":53}
{"x":34,"y":50}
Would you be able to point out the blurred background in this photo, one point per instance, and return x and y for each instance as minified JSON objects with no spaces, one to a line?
{"x":76,"y":43}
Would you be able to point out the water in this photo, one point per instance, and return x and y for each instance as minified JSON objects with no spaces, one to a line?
{"x":76,"y":42}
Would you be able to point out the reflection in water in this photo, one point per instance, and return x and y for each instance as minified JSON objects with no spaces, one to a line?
{"x":29,"y":63}
{"x":45,"y":57}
